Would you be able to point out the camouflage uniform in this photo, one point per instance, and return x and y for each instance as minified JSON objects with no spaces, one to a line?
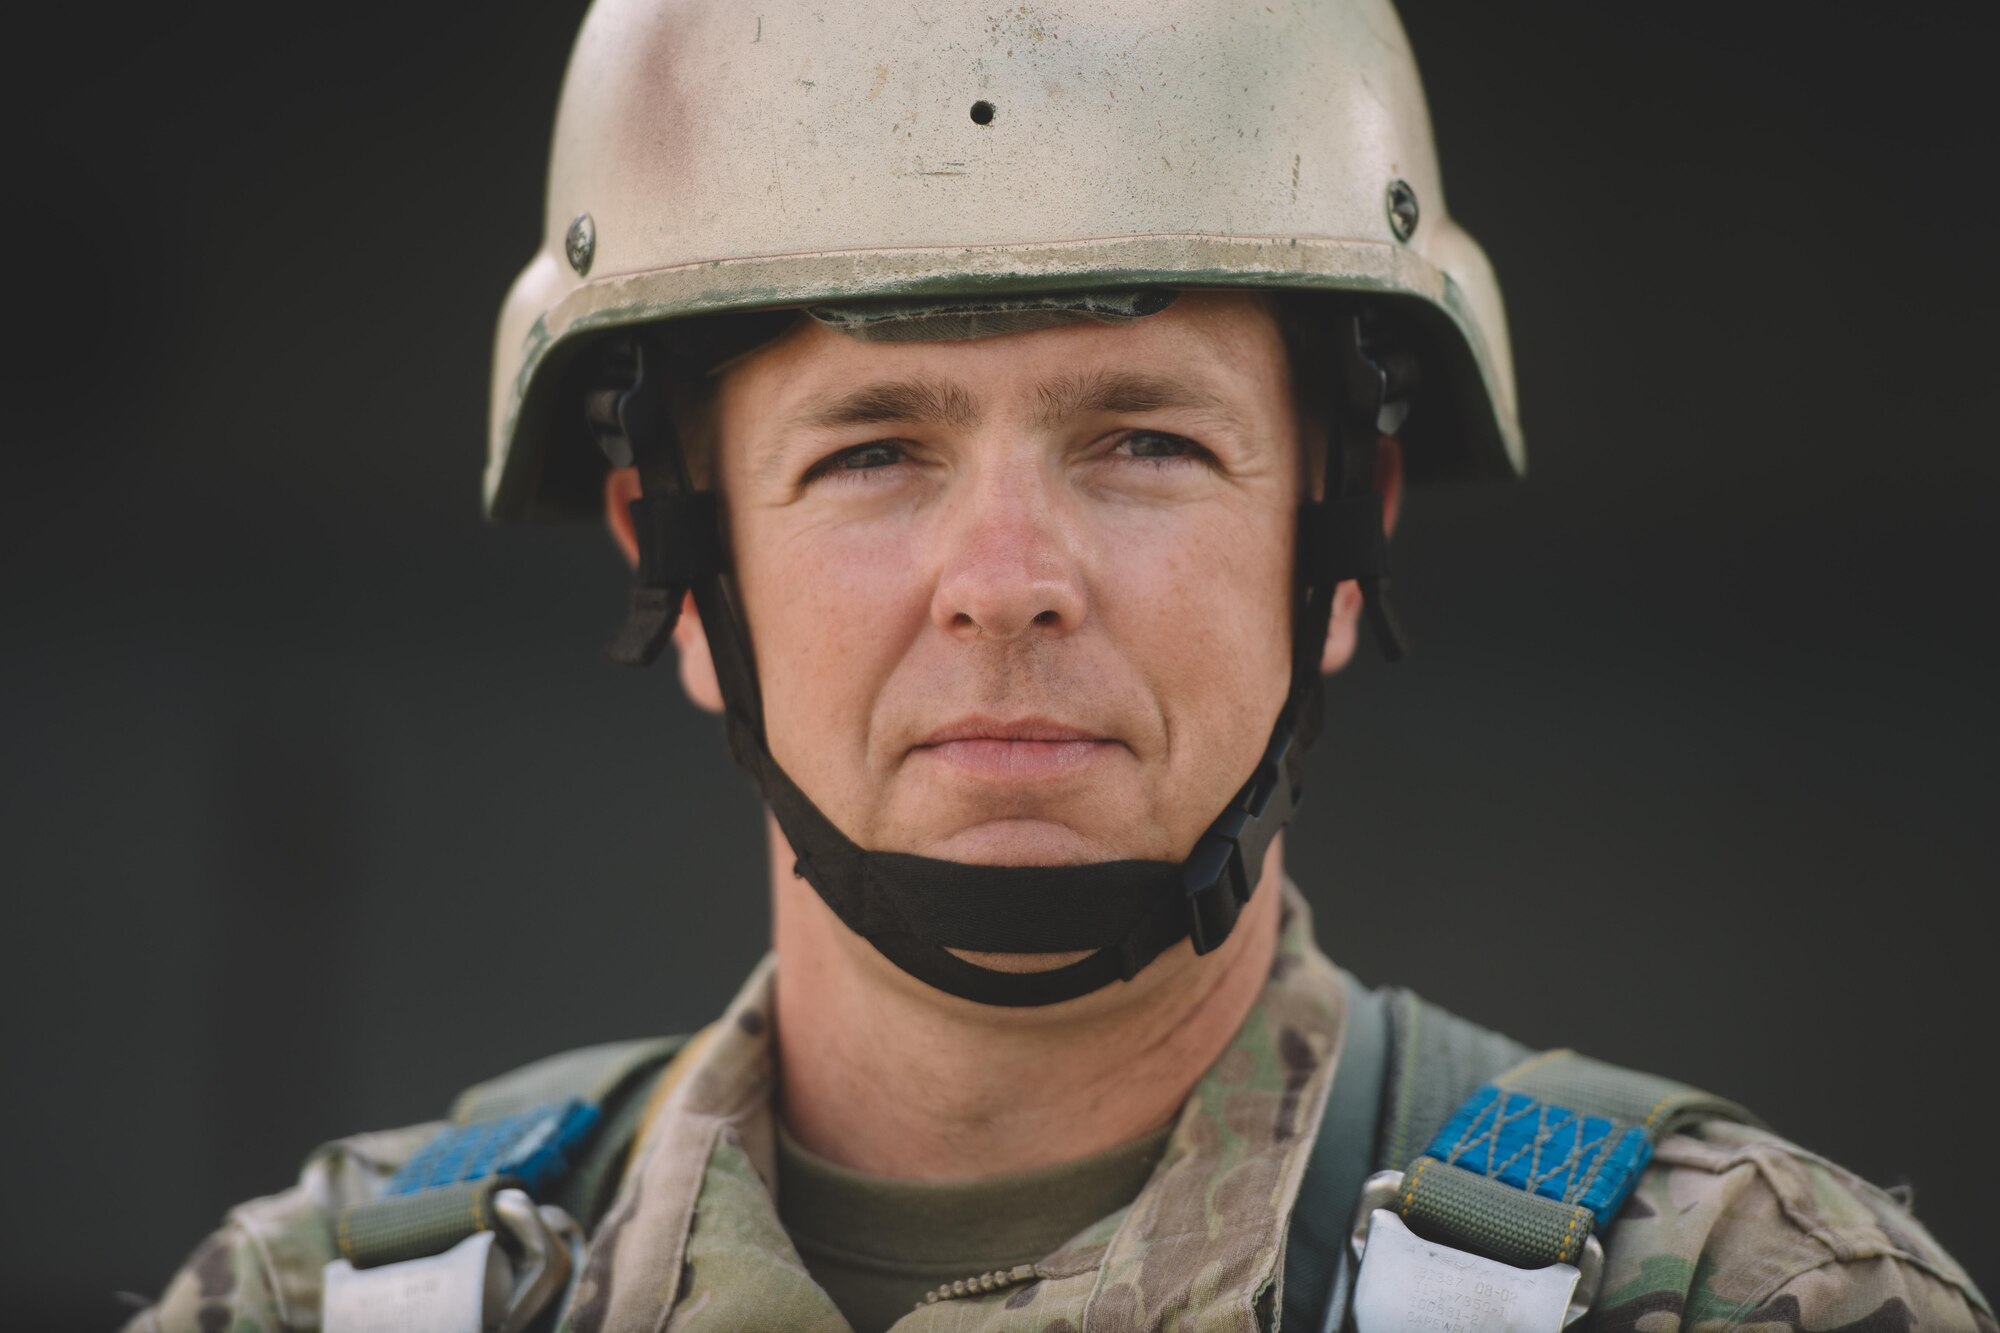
{"x":1730,"y":1228}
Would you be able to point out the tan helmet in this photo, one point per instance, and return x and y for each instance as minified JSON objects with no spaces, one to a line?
{"x":715,"y":157}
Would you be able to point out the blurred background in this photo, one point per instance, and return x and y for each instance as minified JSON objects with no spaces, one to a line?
{"x":1700,"y":723}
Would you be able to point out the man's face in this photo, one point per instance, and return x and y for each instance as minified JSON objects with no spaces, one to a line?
{"x":1021,"y":599}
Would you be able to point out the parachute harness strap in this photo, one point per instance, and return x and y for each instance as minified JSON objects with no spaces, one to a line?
{"x":1500,"y":1219}
{"x":916,"y":910}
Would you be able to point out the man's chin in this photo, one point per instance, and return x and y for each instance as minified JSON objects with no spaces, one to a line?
{"x":1025,"y":842}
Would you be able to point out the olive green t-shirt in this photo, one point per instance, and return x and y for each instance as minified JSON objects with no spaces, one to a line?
{"x":877,"y":1244}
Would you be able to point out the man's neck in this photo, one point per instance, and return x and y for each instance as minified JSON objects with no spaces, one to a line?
{"x":882,"y":1073}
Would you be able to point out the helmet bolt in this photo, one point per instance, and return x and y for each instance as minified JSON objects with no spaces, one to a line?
{"x":581,"y":243}
{"x":1402,"y":209}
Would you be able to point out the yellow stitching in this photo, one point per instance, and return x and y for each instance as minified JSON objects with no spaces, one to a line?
{"x":346,"y":1241}
{"x":1658,"y":1106}
{"x":1569,"y":1235}
{"x":1410,"y":1195}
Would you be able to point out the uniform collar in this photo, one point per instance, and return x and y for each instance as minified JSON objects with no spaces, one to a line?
{"x":695,"y":1226}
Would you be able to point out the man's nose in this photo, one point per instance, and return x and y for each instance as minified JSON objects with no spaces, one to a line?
{"x":1008,"y":567}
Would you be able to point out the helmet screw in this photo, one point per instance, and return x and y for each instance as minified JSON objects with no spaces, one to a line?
{"x":1402,"y":209}
{"x":581,"y":243}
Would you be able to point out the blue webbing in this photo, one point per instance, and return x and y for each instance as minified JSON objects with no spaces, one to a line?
{"x":1545,"y":1149}
{"x":532,"y":1146}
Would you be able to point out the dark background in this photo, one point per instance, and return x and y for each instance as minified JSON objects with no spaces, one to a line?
{"x":320,"y":803}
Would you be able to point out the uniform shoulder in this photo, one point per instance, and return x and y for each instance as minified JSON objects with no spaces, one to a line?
{"x":263,"y":1268}
{"x":1735,"y":1227}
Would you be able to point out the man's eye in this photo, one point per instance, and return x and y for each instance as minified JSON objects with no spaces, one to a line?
{"x":861,"y":458}
{"x":1157,"y":446}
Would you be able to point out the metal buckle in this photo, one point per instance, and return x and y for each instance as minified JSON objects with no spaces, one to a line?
{"x":1408,"y":1283}
{"x":476,"y":1286}
{"x":550,"y":1247}
{"x":1218,"y":879}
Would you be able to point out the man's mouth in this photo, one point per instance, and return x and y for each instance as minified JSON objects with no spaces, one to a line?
{"x":1013,"y":749}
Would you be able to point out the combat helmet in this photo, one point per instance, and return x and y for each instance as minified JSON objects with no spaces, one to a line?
{"x":863,"y":160}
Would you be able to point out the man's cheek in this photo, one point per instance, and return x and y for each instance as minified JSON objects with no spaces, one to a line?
{"x":812,"y":594}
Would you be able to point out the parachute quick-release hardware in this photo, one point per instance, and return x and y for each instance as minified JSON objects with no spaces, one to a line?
{"x":916,"y":909}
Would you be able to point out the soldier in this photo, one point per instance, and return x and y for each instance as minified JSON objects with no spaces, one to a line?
{"x":1004,"y":411}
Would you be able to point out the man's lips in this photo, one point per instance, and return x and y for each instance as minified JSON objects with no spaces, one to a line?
{"x":1021,"y":748}
{"x":1019,"y":729}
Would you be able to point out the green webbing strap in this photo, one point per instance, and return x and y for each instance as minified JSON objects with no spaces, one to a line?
{"x":1404,"y":1067}
{"x":1470,"y":1212}
{"x":586,"y":1193}
{"x":594,"y":1073}
{"x":1656,"y":1105}
{"x":1429,"y":1063}
{"x":1436,"y":1061}
{"x":1343,"y":1154}
{"x":614,"y":1077}
{"x":411,"y":1226}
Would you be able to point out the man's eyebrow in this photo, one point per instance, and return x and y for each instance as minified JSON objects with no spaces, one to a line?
{"x":1119,"y":392}
{"x":892,"y":402}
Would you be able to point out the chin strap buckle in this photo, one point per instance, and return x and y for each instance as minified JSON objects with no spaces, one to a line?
{"x":1224,"y":868}
{"x":1214,"y":898}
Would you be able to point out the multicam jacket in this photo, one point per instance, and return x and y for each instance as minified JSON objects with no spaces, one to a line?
{"x":1730,"y":1228}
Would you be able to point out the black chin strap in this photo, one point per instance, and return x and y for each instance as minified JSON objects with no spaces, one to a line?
{"x":915,"y":909}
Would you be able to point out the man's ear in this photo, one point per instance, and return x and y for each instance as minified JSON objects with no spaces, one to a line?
{"x":621,"y":488}
{"x":1343,"y":628}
